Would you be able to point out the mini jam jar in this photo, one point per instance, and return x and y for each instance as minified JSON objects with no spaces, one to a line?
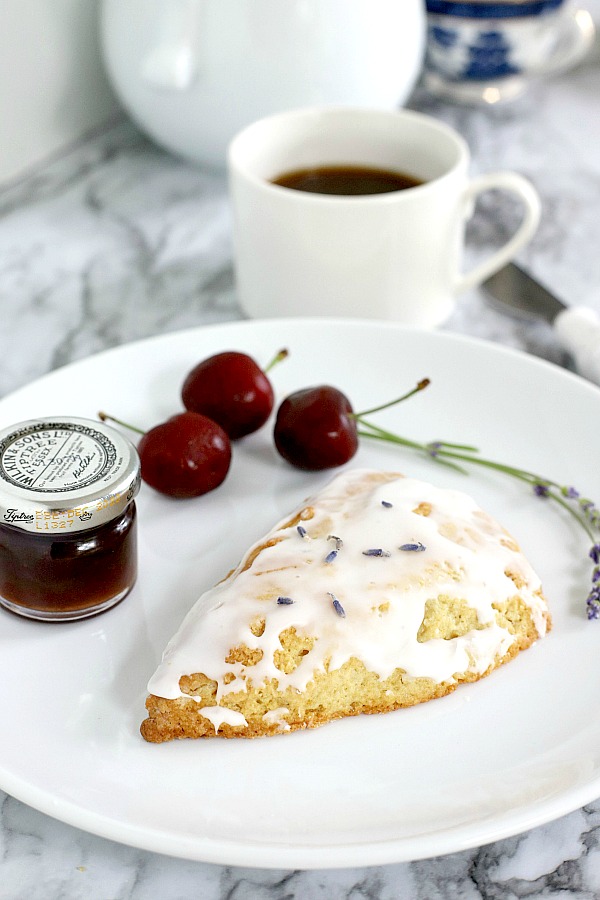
{"x":68,"y":546}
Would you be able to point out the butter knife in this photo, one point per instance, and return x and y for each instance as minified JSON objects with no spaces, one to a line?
{"x":577,"y":327}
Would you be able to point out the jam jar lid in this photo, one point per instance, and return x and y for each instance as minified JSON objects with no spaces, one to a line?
{"x":65,"y":472}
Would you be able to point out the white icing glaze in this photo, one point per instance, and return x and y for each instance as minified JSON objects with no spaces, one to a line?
{"x":383,"y":597}
{"x":276,"y":717}
{"x":220,"y":715}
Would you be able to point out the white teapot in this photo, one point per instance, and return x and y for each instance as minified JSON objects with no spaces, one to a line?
{"x":194,"y":72}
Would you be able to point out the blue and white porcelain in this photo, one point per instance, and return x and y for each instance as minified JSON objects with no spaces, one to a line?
{"x":484,"y":50}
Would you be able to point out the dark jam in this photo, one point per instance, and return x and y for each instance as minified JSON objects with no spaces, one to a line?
{"x":68,"y":576}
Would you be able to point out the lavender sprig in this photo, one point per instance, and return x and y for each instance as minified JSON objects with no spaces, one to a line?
{"x":584,"y":511}
{"x":593,"y":599}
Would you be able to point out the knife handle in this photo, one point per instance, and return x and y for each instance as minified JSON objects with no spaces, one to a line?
{"x":578,"y":329}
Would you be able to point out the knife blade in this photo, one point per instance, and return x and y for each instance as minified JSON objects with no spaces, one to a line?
{"x":515,"y":291}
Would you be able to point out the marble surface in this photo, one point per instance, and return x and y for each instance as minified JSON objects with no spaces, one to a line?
{"x":118,"y":240}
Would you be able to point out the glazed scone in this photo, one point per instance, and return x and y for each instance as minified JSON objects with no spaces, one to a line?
{"x":380,"y":592}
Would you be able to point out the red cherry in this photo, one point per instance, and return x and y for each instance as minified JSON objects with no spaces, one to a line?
{"x":315,"y":429}
{"x":231,"y":389}
{"x":186,"y":456}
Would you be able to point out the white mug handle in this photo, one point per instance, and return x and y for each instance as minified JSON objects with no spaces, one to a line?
{"x":577,"y":41}
{"x":527,"y":194}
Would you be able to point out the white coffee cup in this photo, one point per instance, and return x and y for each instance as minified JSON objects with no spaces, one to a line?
{"x":393,"y":256}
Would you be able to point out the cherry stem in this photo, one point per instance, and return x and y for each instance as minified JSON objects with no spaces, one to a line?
{"x":283,"y":354}
{"x":367,"y":412}
{"x":104,"y":417}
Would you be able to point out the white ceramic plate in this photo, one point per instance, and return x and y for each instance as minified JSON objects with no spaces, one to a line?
{"x":495,"y":758}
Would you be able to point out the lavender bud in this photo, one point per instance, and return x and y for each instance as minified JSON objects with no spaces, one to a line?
{"x":337,"y":605}
{"x":595,"y":554}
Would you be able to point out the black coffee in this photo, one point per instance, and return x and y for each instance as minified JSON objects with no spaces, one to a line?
{"x":347,"y":180}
